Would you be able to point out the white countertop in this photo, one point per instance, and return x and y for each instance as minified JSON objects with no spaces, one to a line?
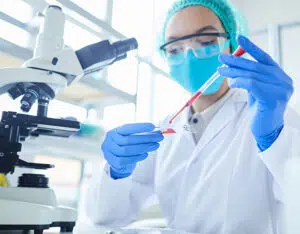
{"x":105,"y":230}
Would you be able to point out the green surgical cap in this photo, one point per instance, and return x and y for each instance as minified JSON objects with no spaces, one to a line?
{"x":233,"y":21}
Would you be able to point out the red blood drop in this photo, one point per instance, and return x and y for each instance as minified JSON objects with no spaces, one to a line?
{"x":169,"y":131}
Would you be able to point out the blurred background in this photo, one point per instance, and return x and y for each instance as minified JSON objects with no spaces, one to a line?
{"x":132,"y":90}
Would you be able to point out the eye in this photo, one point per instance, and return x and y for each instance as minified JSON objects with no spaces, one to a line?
{"x":173,"y":51}
{"x":206,"y":43}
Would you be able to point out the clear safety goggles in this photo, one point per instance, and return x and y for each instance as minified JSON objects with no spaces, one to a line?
{"x":203,"y":45}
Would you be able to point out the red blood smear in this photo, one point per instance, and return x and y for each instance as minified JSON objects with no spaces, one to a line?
{"x":169,"y":131}
{"x":189,"y":103}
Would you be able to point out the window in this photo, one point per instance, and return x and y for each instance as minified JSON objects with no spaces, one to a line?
{"x":14,"y":34}
{"x":144,"y":94}
{"x":117,"y":115}
{"x":161,"y":9}
{"x":92,"y":116}
{"x":59,"y":109}
{"x":17,"y":9}
{"x":134,"y":18}
{"x":168,"y":96}
{"x":23,"y":13}
{"x":123,"y":74}
{"x":77,"y":37}
{"x":290,"y":60}
{"x":95,"y":7}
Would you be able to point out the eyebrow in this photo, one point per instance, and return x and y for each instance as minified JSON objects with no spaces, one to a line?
{"x":206,"y":28}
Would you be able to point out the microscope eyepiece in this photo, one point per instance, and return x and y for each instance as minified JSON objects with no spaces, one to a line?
{"x":104,"y":53}
{"x":55,"y":7}
{"x":122,"y":47}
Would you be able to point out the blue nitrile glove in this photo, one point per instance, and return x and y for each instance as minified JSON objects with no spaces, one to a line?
{"x":124,"y":146}
{"x":269,"y":89}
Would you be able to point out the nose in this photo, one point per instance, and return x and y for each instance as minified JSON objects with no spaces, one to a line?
{"x":189,"y":53}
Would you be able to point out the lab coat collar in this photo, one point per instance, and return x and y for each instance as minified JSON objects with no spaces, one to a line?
{"x":223,"y":117}
{"x":236,"y":98}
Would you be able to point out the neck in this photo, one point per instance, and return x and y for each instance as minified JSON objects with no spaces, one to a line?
{"x":206,"y":101}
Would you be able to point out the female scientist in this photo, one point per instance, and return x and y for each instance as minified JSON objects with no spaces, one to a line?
{"x":226,"y":176}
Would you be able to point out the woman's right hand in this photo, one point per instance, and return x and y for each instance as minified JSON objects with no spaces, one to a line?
{"x":124,"y":146}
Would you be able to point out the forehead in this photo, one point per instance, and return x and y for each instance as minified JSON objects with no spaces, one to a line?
{"x":189,"y":20}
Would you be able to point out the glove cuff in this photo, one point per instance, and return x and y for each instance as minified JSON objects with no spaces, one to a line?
{"x":265,"y":142}
{"x":117,"y":175}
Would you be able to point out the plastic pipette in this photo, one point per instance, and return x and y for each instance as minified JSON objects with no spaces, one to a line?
{"x":239,"y":52}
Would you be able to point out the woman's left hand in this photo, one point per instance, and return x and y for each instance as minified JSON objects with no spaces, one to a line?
{"x":269,"y":90}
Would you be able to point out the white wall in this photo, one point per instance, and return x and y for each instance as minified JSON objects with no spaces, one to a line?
{"x":263,"y":12}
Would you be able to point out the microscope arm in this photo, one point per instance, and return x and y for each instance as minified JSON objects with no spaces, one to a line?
{"x":9,"y":77}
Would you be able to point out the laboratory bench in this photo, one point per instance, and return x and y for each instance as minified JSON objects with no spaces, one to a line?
{"x":104,"y":230}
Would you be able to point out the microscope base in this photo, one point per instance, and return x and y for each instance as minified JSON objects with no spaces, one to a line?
{"x":18,"y":215}
{"x":33,"y":209}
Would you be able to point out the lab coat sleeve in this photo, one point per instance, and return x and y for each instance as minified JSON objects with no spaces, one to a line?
{"x":283,"y":149}
{"x":116,"y":203}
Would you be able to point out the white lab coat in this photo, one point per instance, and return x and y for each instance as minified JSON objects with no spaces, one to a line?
{"x":221,"y":185}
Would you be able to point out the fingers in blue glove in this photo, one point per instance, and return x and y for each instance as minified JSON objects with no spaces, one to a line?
{"x":123,"y":172}
{"x":235,"y":73}
{"x":135,"y":128}
{"x":125,"y":146}
{"x":257,"y":53}
{"x":269,"y":89}
{"x":271,"y":74}
{"x":260,"y":90}
{"x":130,"y":150}
{"x":122,"y":140}
{"x":246,"y":64}
{"x":119,"y":163}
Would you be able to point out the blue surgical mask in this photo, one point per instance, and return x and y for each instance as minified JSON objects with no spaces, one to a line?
{"x":193,"y":72}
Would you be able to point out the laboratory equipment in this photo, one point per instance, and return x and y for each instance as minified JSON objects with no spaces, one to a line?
{"x":32,"y":205}
{"x":239,"y":52}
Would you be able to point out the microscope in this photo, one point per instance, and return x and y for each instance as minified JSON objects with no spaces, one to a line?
{"x":32,"y":205}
